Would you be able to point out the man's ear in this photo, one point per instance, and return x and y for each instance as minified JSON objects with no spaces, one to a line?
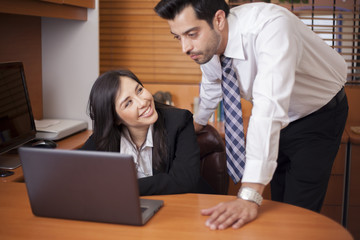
{"x":219,"y":20}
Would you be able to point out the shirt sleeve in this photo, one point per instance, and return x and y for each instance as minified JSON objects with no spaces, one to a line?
{"x":277,"y":47}
{"x":210,"y":90}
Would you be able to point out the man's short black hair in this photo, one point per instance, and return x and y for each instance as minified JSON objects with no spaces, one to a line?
{"x":204,"y":9}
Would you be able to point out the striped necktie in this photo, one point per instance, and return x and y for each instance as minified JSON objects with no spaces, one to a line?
{"x":234,"y":130}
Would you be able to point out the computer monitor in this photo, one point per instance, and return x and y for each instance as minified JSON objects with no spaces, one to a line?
{"x":17,"y":125}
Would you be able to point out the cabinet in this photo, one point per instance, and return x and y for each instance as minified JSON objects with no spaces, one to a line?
{"x":20,"y":27}
{"x":67,"y":9}
{"x":353,"y":217}
{"x":78,"y":3}
{"x":352,"y":211}
{"x":334,"y":198}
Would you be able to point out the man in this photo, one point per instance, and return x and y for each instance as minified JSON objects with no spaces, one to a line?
{"x":295,"y":82}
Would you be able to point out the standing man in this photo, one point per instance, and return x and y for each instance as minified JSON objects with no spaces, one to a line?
{"x":296,"y":84}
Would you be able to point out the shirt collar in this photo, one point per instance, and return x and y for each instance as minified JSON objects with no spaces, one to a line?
{"x":234,"y":46}
{"x":149,"y":137}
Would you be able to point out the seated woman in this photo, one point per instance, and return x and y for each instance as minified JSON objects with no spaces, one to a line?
{"x":161,"y":138}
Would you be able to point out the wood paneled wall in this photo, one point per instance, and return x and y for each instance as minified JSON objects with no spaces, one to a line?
{"x":182,"y":94}
{"x":133,"y":36}
{"x":21,"y":41}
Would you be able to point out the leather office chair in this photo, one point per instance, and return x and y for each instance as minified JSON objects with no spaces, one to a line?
{"x":213,"y":159}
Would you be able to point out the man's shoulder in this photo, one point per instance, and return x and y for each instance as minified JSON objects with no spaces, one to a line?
{"x":255,"y":13}
{"x":255,"y":6}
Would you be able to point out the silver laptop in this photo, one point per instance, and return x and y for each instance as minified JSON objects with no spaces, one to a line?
{"x":85,"y":185}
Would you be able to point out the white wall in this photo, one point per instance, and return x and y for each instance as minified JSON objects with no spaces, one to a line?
{"x":70,"y":65}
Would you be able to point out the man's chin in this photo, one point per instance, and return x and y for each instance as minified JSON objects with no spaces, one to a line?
{"x":199,"y":61}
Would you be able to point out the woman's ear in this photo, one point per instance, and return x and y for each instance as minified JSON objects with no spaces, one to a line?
{"x":219,"y":21}
{"x":118,"y":120}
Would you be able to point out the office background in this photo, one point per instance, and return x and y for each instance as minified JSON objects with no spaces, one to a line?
{"x":62,"y":55}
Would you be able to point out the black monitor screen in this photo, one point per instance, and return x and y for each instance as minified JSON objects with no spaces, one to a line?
{"x":16,"y":120}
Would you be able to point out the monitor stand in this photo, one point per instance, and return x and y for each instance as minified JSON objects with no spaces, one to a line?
{"x":9,"y":161}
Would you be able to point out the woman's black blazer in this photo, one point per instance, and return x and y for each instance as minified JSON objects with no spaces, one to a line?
{"x":181,"y":173}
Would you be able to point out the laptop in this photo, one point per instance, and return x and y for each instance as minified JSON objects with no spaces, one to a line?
{"x":85,"y":185}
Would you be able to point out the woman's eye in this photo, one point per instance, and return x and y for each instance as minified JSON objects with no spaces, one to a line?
{"x":128,"y":103}
{"x":140,"y":89}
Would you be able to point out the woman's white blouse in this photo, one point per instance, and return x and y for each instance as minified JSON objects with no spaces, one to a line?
{"x":143,"y":156}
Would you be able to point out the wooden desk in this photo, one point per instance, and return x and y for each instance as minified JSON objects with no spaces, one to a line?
{"x":72,"y":142}
{"x":75,"y":141}
{"x":179,"y":219}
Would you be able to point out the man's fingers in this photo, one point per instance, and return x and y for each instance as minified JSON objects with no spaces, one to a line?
{"x":227,"y":222}
{"x":209,"y":211}
{"x":239,"y":223}
{"x":224,"y":219}
{"x":214,"y":213}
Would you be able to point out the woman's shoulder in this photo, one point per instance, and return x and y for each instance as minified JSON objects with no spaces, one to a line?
{"x":170,"y":112}
{"x":89,"y":144}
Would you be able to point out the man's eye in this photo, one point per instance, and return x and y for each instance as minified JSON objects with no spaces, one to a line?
{"x":177,"y":37}
{"x":192,"y":35}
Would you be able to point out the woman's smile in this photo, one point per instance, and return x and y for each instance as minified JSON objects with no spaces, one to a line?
{"x":148,"y":112}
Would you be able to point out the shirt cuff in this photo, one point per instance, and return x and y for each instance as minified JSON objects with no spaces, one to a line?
{"x":259,"y":171}
{"x":202,"y":116}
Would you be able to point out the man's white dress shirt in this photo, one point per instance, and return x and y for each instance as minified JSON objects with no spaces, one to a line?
{"x":283,"y":68}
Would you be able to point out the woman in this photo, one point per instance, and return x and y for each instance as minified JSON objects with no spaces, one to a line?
{"x":161,"y":138}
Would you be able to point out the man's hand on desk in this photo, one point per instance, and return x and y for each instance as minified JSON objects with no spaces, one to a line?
{"x":235,"y":214}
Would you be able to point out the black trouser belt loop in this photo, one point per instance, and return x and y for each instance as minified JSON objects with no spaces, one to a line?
{"x":335,"y":100}
{"x":340,"y":95}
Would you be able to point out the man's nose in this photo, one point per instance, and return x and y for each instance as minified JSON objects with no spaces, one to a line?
{"x":186,"y":45}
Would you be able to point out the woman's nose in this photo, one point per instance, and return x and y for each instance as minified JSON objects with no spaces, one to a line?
{"x":141,"y":102}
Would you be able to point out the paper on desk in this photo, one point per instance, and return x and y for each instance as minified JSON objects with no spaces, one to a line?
{"x":42,"y":125}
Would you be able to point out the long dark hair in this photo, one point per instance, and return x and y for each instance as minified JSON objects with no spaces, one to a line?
{"x":204,"y":9}
{"x":106,"y":127}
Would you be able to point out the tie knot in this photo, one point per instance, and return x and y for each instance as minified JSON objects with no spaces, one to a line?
{"x":225,"y":61}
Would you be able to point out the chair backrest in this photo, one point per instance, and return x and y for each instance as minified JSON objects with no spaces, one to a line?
{"x":213,"y":159}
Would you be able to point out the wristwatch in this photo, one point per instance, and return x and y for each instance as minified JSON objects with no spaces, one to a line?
{"x":250,"y":194}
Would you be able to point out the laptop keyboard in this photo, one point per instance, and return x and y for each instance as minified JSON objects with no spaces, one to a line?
{"x":143,"y":209}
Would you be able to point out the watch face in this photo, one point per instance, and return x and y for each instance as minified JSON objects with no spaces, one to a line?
{"x":250,"y":195}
